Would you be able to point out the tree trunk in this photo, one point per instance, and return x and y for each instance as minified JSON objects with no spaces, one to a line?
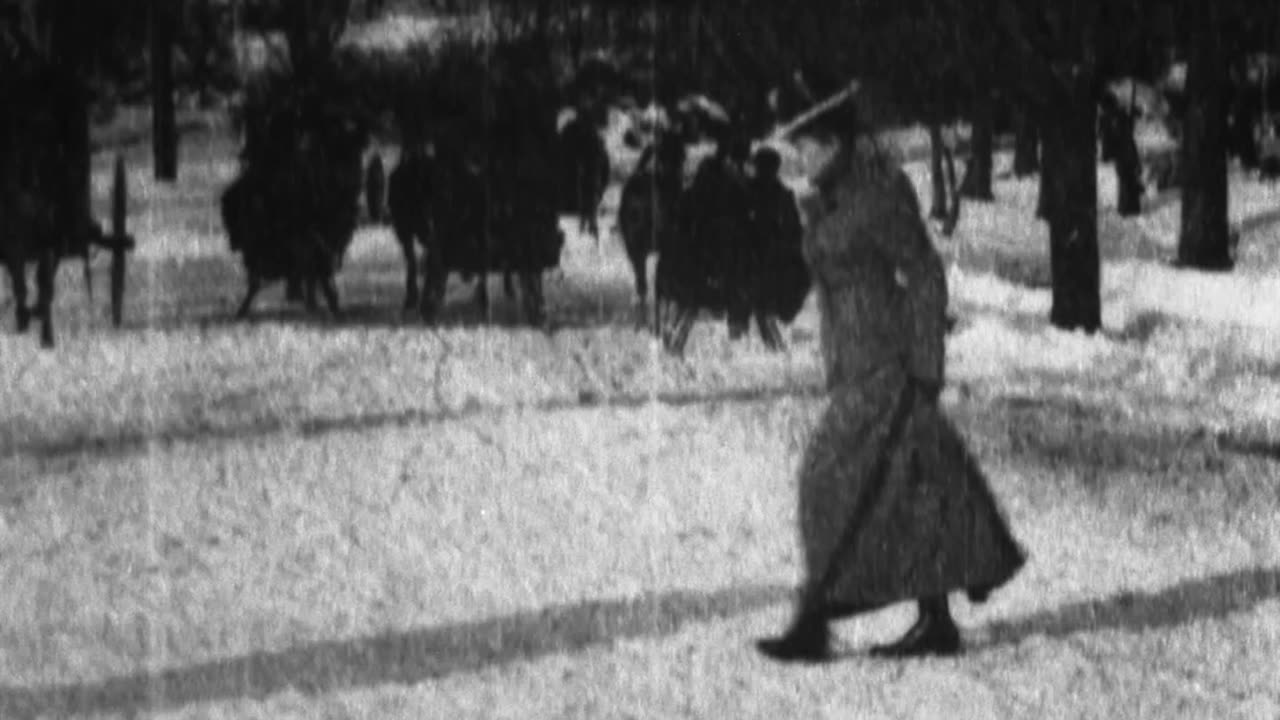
{"x":164,"y":125}
{"x":1204,"y":240}
{"x":1048,"y":165}
{"x":938,"y":208}
{"x":66,"y":42}
{"x":1070,"y":200}
{"x":977,"y":173}
{"x":1026,"y":148}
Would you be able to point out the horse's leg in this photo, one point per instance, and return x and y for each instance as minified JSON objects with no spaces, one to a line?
{"x":658,"y":303}
{"x":679,"y":336}
{"x":309,"y":285}
{"x":482,"y":293}
{"x":18,"y":279}
{"x":641,"y":274}
{"x":435,"y":280}
{"x":330,"y":290}
{"x":769,"y":331}
{"x":531,"y":297}
{"x":738,"y":315}
{"x":639,"y":261}
{"x":46,"y":271}
{"x":406,"y":239}
{"x":591,"y":223}
{"x":293,"y":289}
{"x":255,"y":284}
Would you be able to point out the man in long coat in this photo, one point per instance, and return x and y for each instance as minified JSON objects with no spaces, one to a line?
{"x":892,"y":505}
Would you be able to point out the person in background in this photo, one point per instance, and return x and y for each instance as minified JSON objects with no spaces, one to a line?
{"x":704,"y":272}
{"x":781,"y":280}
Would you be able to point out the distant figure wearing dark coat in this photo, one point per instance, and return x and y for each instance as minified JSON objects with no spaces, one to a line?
{"x":707,"y":269}
{"x":893,"y":506}
{"x":781,"y":280}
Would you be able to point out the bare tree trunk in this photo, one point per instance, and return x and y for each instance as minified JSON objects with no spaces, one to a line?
{"x":1026,"y":147}
{"x":164,"y":125}
{"x":1069,"y":199}
{"x":1204,"y":240}
{"x":977,"y":173}
{"x":1048,"y":166}
{"x":65,"y":41}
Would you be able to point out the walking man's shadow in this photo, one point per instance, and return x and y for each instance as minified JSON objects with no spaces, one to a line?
{"x":414,"y":656}
{"x":1212,"y":597}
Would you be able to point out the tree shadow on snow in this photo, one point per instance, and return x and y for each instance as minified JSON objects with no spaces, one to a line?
{"x":1257,"y":222}
{"x":1098,"y":439}
{"x":406,"y":657}
{"x":1211,"y":597}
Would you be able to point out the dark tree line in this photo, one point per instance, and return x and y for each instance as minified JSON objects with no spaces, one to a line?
{"x":1039,"y":68}
{"x":1049,"y":65}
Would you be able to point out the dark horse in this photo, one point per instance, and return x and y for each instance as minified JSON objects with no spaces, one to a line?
{"x":487,"y":219}
{"x":584,"y":171}
{"x":410,"y":198}
{"x":44,"y":182}
{"x":293,"y":210}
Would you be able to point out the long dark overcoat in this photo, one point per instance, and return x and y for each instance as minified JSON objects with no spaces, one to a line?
{"x":892,"y":504}
{"x":706,"y":270}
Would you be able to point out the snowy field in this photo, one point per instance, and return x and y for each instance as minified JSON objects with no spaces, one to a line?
{"x":366,"y":518}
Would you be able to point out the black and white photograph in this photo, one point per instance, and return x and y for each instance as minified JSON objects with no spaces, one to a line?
{"x":639,"y":359}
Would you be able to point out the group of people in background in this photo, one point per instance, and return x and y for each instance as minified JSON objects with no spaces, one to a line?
{"x":738,"y":248}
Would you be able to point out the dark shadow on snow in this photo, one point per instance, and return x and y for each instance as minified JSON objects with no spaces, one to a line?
{"x":1257,"y":222}
{"x":1067,"y":431}
{"x":127,"y":442}
{"x":1253,"y":446}
{"x":408,"y":657}
{"x":179,"y":294}
{"x":419,"y":655}
{"x":1207,"y":598}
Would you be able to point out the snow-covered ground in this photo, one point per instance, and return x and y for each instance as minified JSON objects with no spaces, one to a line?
{"x":370,"y":518}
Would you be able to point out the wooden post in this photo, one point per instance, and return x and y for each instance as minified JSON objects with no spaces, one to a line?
{"x":119,"y":209}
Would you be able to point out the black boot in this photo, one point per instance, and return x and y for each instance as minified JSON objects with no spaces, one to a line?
{"x":934,"y":633}
{"x":808,"y":640}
